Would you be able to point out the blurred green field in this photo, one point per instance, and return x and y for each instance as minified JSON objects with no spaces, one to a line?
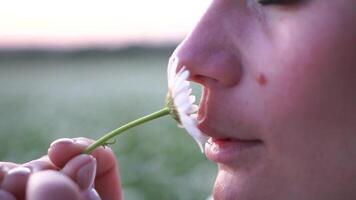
{"x":47,"y":97}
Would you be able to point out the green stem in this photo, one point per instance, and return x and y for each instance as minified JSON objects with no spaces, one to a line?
{"x":103,"y":140}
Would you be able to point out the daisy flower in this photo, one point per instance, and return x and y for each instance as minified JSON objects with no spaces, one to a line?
{"x":179,"y":104}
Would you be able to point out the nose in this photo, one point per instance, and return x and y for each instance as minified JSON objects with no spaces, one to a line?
{"x":209,"y":53}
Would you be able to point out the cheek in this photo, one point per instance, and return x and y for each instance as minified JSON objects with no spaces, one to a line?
{"x":310,"y":98}
{"x":312,"y":67}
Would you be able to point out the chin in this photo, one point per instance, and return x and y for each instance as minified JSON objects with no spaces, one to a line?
{"x":235,"y":185}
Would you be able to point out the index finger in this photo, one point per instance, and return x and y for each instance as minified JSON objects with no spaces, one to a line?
{"x":5,"y":167}
{"x":107,"y":181}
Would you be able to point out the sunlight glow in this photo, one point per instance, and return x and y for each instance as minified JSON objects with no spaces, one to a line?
{"x":80,"y":22}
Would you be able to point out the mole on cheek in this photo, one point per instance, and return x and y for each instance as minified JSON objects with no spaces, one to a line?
{"x":262,"y":80}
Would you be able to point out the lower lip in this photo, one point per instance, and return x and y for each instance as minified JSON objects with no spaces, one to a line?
{"x":230,"y":150}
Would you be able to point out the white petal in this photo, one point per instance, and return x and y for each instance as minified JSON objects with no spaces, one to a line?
{"x":181,"y":70}
{"x":190,"y":91}
{"x":189,"y":121}
{"x":180,"y":82}
{"x":184,"y":74}
{"x":183,"y":88}
{"x":171,"y":72}
{"x":192,"y":99}
{"x":193,"y":109}
{"x":184,"y":101}
{"x":182,"y":91}
{"x":185,"y":108}
{"x":180,"y":100}
{"x":198,"y":136}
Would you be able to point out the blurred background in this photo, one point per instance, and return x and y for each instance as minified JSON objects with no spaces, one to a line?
{"x":82,"y":68}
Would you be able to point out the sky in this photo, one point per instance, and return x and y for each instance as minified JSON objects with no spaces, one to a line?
{"x":67,"y":23}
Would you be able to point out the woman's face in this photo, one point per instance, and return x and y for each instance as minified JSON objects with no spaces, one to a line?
{"x":279,"y":97}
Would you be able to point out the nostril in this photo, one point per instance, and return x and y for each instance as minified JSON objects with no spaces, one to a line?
{"x":203,"y":80}
{"x":198,"y":78}
{"x":221,"y":68}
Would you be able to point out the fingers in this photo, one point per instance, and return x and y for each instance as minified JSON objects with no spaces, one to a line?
{"x":15,"y":181}
{"x":13,"y":177}
{"x":5,"y":167}
{"x":62,"y":150}
{"x":75,"y":179}
{"x":4,"y":195}
{"x":52,"y":185}
{"x":108,"y":185}
{"x":81,"y":169}
{"x":90,"y":194}
{"x":8,"y":164}
{"x":40,"y":164}
{"x":107,"y":181}
{"x":3,"y":171}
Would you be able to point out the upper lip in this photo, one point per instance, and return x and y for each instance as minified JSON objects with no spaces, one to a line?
{"x":213,"y":130}
{"x":219,"y":135}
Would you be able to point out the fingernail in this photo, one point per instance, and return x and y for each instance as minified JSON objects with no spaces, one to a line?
{"x":4,"y":168}
{"x":91,"y":194}
{"x":39,"y":165}
{"x":3,"y":171}
{"x":19,"y":171}
{"x":15,"y":181}
{"x":81,"y":142}
{"x":62,"y":141}
{"x":86,"y":174}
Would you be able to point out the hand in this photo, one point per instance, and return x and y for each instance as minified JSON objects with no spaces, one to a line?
{"x":71,"y":175}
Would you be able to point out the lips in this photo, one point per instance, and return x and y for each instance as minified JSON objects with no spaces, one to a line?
{"x":225,"y":147}
{"x":230,"y":150}
{"x":222,"y":143}
{"x":231,"y":147}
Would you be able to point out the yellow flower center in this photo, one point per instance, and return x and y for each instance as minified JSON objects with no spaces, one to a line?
{"x":172,"y":107}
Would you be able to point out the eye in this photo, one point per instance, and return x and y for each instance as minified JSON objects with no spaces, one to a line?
{"x":270,"y":2}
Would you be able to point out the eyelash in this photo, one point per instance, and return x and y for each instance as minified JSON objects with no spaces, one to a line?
{"x":270,"y":2}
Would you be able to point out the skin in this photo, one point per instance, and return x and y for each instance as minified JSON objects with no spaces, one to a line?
{"x":56,"y":175}
{"x":283,"y":75}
